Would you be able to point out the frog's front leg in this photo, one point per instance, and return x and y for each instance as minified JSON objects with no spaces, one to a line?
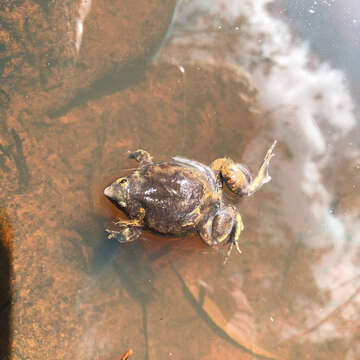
{"x":130,"y":230}
{"x":127,"y":234}
{"x":141,"y":156}
{"x":223,"y":227}
{"x":237,"y":177}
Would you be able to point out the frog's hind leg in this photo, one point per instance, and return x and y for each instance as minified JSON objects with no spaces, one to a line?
{"x":141,"y":156}
{"x":223,"y":227}
{"x":126,"y":234}
{"x":238,"y":178}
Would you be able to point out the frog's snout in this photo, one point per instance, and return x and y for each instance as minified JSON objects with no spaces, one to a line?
{"x":109,"y":192}
{"x":113,"y":193}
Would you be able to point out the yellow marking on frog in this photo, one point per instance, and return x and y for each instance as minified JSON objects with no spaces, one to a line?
{"x":134,"y":222}
{"x":233,"y":176}
{"x":140,"y":155}
{"x":127,"y":234}
{"x":197,"y":212}
{"x":171,"y":190}
{"x":189,"y":223}
{"x":208,"y":192}
{"x":135,"y":176}
{"x":125,"y":223}
{"x":118,"y":181}
{"x":218,"y":164}
{"x":222,"y":238}
{"x":239,"y":228}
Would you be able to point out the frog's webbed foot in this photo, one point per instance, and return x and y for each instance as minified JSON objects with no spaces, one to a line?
{"x":224,"y":227}
{"x":126,"y":234}
{"x":141,"y":156}
{"x":238,"y":178}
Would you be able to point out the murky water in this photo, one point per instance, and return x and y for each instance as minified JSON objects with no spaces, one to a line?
{"x":85,"y":82}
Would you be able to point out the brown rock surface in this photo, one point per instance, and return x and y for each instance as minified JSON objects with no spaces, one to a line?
{"x":42,"y":62}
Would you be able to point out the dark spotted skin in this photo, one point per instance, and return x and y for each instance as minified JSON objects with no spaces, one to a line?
{"x":183,"y":196}
{"x":175,"y":197}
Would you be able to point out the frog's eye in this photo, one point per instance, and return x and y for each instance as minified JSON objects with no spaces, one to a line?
{"x":122,"y":180}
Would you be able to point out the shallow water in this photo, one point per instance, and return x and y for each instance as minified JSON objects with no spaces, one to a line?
{"x":225,"y":78}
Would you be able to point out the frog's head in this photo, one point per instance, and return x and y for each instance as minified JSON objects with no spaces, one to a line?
{"x":119,"y":191}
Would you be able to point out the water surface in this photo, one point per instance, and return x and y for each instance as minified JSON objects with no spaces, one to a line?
{"x":208,"y":80}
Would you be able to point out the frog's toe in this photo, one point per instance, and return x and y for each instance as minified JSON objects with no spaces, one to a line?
{"x":265,"y":167}
{"x":125,"y":235}
{"x":235,"y":236}
{"x":270,"y":153}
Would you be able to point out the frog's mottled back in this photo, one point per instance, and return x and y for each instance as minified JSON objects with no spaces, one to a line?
{"x":173,"y":195}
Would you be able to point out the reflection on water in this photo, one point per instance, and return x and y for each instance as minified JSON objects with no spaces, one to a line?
{"x":332,"y":30}
{"x":228,"y":79}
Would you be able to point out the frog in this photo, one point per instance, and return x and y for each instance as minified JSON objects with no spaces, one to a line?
{"x":182,"y":196}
